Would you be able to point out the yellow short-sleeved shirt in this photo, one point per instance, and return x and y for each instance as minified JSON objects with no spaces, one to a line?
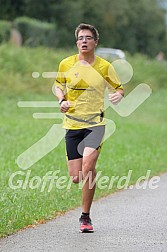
{"x":84,"y":86}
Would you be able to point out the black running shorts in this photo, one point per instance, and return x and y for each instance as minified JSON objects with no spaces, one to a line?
{"x":77,"y":140}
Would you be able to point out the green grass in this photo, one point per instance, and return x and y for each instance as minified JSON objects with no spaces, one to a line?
{"x":138,"y":143}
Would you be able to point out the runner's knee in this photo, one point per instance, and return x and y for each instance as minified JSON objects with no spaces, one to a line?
{"x":87,"y":172}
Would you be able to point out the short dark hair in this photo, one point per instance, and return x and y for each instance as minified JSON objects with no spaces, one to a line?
{"x":87,"y":27}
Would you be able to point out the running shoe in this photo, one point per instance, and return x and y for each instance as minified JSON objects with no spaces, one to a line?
{"x":85,"y":224}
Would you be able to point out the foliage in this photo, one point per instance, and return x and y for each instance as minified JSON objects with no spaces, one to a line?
{"x":125,"y":24}
{"x":5,"y":29}
{"x":35,"y":32}
{"x":10,"y":9}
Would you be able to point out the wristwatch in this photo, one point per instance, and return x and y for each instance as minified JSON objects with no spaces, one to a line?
{"x":61,"y":100}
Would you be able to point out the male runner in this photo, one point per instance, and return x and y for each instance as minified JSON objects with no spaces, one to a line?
{"x":80,"y":85}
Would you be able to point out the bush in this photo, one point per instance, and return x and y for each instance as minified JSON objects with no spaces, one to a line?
{"x":36,"y":33}
{"x":5,"y":29}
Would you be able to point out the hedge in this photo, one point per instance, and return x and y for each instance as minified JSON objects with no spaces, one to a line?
{"x":36,"y":33}
{"x":5,"y":30}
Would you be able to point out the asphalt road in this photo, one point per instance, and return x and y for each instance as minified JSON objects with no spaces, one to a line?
{"x":130,"y":220}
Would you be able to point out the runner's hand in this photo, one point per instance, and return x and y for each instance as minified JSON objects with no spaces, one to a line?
{"x":64,"y":107}
{"x":115,"y":98}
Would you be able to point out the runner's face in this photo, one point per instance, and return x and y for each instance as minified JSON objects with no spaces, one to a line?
{"x":86,"y":42}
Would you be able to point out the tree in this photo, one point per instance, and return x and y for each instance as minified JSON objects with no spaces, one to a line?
{"x":10,"y":9}
{"x":135,"y":26}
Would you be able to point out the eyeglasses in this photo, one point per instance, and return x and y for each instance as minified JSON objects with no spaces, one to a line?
{"x":85,"y":37}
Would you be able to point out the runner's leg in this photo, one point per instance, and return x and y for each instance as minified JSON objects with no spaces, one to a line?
{"x":90,"y":157}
